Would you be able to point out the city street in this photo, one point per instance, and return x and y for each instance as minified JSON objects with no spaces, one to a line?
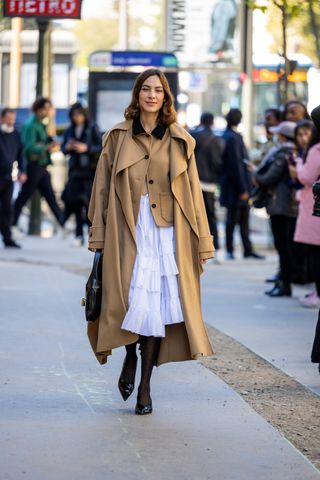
{"x":62,"y":415}
{"x":157,"y":131}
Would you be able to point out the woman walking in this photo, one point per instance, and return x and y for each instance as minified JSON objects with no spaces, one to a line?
{"x":148,"y":217}
{"x":82,"y":143}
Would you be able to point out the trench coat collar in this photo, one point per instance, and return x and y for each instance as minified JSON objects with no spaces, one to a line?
{"x":136,"y":154}
{"x":157,"y":132}
{"x":176,"y":131}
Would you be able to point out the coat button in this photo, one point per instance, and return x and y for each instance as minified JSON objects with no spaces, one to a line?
{"x":146,"y":157}
{"x":153,"y":205}
{"x":151,"y":181}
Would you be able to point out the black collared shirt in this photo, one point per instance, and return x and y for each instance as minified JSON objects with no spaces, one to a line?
{"x":157,"y":132}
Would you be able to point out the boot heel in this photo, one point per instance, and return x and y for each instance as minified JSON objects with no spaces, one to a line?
{"x":126,"y":388}
{"x":143,"y":409}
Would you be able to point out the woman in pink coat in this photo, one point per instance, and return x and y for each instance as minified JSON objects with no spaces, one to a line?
{"x":308,"y":227}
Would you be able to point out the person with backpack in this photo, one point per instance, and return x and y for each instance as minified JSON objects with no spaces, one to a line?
{"x":208,"y":153}
{"x":282,"y":207}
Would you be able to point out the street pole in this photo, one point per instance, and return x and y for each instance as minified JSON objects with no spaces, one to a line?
{"x":35,"y":209}
{"x":166,"y":25}
{"x":42,"y":27}
{"x":247,"y":87}
{"x":15,"y":63}
{"x":123,"y":41}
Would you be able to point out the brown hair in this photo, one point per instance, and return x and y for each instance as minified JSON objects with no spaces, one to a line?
{"x":40,"y":103}
{"x":167,"y":114}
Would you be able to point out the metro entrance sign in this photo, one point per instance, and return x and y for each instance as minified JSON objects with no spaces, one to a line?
{"x":43,"y":8}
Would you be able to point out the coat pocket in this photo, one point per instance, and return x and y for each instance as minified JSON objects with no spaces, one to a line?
{"x":166,"y":206}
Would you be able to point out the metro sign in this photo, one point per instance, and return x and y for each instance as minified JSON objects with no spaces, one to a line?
{"x":43,"y":8}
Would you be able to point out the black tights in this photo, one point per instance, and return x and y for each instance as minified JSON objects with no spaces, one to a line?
{"x":149,"y":347}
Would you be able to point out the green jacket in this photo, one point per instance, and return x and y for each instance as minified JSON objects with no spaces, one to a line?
{"x":35,"y":139}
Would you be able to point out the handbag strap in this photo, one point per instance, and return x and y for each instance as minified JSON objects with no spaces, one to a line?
{"x":96,"y":267}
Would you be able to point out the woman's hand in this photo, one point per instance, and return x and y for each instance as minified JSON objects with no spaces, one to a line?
{"x":244,"y":196}
{"x":70,"y":145}
{"x":80,"y":147}
{"x":250,"y":166}
{"x":203,"y":261}
{"x":22,"y":177}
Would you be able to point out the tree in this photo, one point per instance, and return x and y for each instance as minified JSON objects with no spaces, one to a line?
{"x":95,"y":34}
{"x":303,"y":15}
{"x":314,"y":14}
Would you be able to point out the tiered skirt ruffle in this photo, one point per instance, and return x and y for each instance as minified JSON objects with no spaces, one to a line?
{"x":153,"y":296}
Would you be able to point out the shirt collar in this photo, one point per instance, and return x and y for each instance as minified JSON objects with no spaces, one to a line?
{"x":157,"y":132}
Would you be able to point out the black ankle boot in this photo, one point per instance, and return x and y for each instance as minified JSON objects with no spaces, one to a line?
{"x":126,"y":388}
{"x":281,"y":289}
{"x":143,"y":409}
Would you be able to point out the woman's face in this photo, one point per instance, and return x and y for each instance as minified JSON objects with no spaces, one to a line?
{"x":78,"y":117}
{"x":303,"y":137}
{"x":151,"y":95}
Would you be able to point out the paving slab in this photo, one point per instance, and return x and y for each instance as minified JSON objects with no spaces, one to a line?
{"x":62,"y":416}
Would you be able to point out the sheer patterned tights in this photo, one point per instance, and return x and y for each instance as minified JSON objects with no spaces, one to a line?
{"x":149,"y":348}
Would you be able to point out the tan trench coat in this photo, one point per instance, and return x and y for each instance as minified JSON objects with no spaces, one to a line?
{"x":113,"y":212}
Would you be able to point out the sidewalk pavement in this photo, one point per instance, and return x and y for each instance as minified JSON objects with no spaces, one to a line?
{"x":62,"y":416}
{"x":278,"y":329}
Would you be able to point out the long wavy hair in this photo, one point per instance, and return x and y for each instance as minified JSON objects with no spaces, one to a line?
{"x":167,"y":114}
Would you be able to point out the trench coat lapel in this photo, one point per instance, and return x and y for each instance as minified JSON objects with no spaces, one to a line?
{"x":128,"y":154}
{"x":181,"y":149}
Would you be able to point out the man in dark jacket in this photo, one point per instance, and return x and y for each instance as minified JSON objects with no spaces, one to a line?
{"x":283,"y":207}
{"x":236,"y":185}
{"x":10,"y":151}
{"x":208,"y":153}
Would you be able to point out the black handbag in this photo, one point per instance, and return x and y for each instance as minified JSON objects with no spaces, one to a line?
{"x":261,"y":195}
{"x":92,"y":301}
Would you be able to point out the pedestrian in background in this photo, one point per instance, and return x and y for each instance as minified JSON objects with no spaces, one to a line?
{"x":295,"y":111}
{"x":148,"y":217}
{"x":208,"y":153}
{"x":236,"y":185}
{"x":283,"y":205}
{"x":272,"y":118}
{"x":307,"y":172}
{"x":11,"y":150}
{"x":302,"y":136}
{"x":38,"y":147}
{"x":82,"y":144}
{"x":315,"y":353}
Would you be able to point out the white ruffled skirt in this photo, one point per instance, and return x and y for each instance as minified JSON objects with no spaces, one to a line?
{"x":153,"y":296}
